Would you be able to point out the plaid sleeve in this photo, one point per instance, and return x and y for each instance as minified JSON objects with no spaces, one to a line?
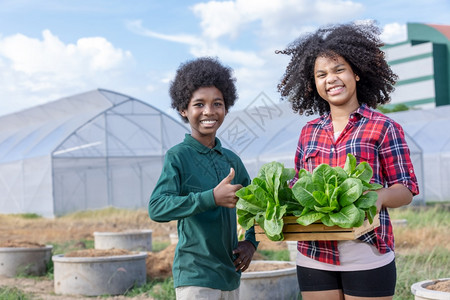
{"x":395,"y":159}
{"x":299,"y":152}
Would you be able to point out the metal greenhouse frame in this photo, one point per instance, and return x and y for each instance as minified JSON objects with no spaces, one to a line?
{"x":265,"y":132}
{"x":87,"y":151}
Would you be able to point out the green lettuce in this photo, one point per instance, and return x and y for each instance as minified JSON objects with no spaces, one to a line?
{"x":333,"y":195}
{"x":337,"y":196}
{"x":267,"y":199}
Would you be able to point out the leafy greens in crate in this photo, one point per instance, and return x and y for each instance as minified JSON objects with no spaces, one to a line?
{"x":332,"y":195}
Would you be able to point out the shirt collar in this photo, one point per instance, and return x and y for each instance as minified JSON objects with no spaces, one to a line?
{"x":362,"y":112}
{"x":188,"y":139}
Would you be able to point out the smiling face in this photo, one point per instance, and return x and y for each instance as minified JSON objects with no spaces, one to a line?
{"x":336,"y":82}
{"x":205,"y":113}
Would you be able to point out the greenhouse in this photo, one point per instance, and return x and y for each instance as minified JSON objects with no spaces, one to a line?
{"x":87,"y":151}
{"x":430,"y":130}
{"x":102,"y":148}
{"x":265,"y":132}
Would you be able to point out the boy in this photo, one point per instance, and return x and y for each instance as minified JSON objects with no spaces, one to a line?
{"x":198,"y":184}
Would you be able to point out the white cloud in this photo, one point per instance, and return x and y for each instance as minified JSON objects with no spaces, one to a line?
{"x":167,"y":77}
{"x":394,"y":33}
{"x":46,"y":68}
{"x":274,"y":24}
{"x":51,"y":56}
{"x":276,"y":18}
{"x":248,"y":58}
{"x":201,"y":46}
{"x":218,"y":18}
{"x":136,"y":27}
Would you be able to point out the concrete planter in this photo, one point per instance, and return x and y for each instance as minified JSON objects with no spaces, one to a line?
{"x":24,"y":261}
{"x":133,"y":240}
{"x":95,"y":276}
{"x":277,"y":284}
{"x":420,"y":291}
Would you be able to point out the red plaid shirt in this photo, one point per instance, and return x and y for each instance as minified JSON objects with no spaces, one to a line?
{"x":370,"y":136}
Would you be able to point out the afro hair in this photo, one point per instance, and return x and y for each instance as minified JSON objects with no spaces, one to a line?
{"x":198,"y":73}
{"x":358,"y":44}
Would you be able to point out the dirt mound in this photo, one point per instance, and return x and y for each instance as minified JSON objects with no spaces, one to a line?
{"x":98,"y":253}
{"x":75,"y":232}
{"x":80,"y":226}
{"x":441,"y":286}
{"x":258,"y":267}
{"x":159,"y":264}
{"x":20,"y":244}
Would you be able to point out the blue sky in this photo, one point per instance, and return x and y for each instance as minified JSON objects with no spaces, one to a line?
{"x":51,"y":49}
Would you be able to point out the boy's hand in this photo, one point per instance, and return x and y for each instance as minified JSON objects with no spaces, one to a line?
{"x":225,"y":192}
{"x":244,"y":253}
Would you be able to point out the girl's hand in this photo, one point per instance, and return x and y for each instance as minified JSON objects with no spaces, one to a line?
{"x":394,"y":196}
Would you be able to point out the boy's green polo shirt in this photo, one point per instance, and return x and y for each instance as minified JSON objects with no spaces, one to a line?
{"x":206,"y":232}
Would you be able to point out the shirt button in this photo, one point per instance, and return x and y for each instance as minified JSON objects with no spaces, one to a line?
{"x":332,"y":150}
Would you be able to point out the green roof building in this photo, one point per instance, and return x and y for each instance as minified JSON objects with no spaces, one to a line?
{"x":422,"y":64}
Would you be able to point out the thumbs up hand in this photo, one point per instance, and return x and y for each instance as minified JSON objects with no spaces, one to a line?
{"x":225,"y":192}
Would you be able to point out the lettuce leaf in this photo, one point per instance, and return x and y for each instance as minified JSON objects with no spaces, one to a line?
{"x":341,"y":196}
{"x":334,"y":195}
{"x":267,"y":200}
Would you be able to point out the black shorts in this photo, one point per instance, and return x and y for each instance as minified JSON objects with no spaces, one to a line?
{"x":379,"y":282}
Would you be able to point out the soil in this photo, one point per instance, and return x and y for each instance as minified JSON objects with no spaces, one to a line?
{"x":258,"y":267}
{"x":441,"y":286}
{"x":98,"y":253}
{"x":16,"y":231}
{"x":20,"y":244}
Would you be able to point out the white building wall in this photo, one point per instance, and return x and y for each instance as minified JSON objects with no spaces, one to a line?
{"x":407,"y":50}
{"x":414,"y":66}
{"x":414,"y":91}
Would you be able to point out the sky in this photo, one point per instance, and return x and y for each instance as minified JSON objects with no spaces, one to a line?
{"x":50,"y":49}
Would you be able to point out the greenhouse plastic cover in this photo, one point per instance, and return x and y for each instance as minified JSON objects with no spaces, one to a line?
{"x":265,"y":132}
{"x":103,"y":148}
{"x":87,"y":151}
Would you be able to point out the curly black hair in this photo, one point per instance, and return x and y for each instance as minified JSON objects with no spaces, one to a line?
{"x":202,"y":72}
{"x":358,"y":44}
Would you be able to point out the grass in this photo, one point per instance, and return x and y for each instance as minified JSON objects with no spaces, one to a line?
{"x":275,"y":254}
{"x":99,"y":214}
{"x":419,"y":266}
{"x":422,"y":246}
{"x":158,"y":246}
{"x":13,"y":293}
{"x":68,"y":246}
{"x":422,"y":249}
{"x":435,"y":215}
{"x":29,"y":216}
{"x":157,"y":289}
{"x":163,"y":289}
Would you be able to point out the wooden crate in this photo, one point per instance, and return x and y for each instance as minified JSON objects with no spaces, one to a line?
{"x":293,"y":231}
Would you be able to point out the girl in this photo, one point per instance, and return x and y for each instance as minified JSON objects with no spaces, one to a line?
{"x":341,"y":73}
